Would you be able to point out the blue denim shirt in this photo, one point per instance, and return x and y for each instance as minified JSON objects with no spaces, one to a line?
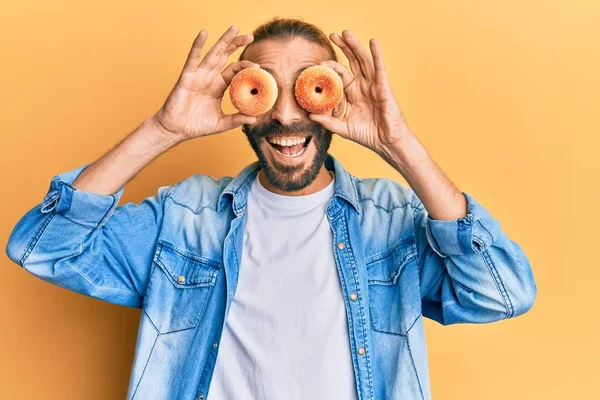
{"x":176,"y":256}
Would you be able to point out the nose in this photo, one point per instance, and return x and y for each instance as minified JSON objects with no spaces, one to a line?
{"x":286,"y":109}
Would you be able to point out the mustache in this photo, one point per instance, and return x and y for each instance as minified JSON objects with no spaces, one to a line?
{"x":274,"y":129}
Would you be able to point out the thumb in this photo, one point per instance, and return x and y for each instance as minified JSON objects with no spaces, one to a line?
{"x":330,"y":123}
{"x":234,"y":120}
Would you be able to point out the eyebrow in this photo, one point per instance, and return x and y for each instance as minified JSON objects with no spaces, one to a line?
{"x":269,"y":70}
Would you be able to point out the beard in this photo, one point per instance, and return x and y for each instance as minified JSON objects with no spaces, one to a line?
{"x":283,"y":176}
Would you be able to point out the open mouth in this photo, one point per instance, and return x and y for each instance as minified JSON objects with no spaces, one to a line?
{"x":290,"y":148}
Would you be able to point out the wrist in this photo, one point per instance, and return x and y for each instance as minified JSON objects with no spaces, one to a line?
{"x":158,"y":131}
{"x":404,"y":153}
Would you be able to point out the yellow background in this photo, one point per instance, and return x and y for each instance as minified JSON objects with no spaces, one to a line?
{"x":503,"y":94}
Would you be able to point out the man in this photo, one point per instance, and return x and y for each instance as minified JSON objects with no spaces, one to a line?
{"x":293,"y":279}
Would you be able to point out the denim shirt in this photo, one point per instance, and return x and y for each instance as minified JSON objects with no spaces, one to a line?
{"x":176,"y":256}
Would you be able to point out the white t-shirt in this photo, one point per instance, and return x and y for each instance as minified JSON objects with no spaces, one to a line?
{"x":286,"y":335}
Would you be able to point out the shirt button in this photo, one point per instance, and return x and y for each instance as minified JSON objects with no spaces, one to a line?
{"x":361,"y":351}
{"x":391,"y":275}
{"x":200,"y":396}
{"x":341,"y":245}
{"x":353,"y":296}
{"x":215,"y":345}
{"x":181,"y":279}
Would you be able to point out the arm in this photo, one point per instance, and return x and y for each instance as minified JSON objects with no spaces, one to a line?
{"x":78,"y":238}
{"x":470,"y":271}
{"x":117,"y":167}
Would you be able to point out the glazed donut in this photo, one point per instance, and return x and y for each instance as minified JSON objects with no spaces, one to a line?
{"x":253,"y":91}
{"x":318,"y":89}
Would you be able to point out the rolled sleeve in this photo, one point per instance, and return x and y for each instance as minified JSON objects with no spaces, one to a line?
{"x":467,"y":235}
{"x":470,"y":270}
{"x":84,"y":242}
{"x":81,"y":207}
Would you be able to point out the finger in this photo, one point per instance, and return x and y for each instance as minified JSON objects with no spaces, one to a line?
{"x":213,"y":56}
{"x":330,"y":123}
{"x":341,"y":110}
{"x":366,"y":63}
{"x":193,"y":59}
{"x":342,"y":71}
{"x":381,"y":77}
{"x":235,"y":67}
{"x":232,"y":121}
{"x":235,"y":44}
{"x":239,"y":41}
{"x":354,"y":63}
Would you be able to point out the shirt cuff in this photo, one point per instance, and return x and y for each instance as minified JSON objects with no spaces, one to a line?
{"x":466,"y":235}
{"x":85,"y":208}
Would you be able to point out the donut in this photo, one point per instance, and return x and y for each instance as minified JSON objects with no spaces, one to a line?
{"x":253,"y":91}
{"x":318,"y":89}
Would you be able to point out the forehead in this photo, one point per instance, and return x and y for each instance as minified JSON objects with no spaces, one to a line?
{"x":284,"y":57}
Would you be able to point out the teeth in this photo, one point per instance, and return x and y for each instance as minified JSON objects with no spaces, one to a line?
{"x":298,"y":154}
{"x":287,"y":141}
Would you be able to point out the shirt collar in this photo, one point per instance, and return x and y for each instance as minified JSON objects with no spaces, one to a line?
{"x":239,"y":186}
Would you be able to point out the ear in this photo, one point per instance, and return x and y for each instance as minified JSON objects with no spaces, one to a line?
{"x":338,"y":111}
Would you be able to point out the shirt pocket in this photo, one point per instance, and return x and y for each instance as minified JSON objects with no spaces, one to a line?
{"x":394,"y":295}
{"x":178,"y":288}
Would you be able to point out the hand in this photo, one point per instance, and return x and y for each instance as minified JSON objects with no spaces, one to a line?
{"x":373,"y":117}
{"x":193,"y":108}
